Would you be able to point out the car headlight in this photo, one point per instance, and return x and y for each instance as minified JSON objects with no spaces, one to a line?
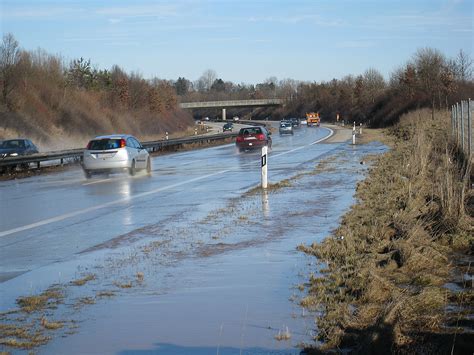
{"x":14,"y":154}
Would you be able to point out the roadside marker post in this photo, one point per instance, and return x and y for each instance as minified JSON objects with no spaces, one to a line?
{"x":264,"y":167}
{"x":360,"y":129}
{"x":195,"y":131}
{"x":354,"y":134}
{"x":167,"y":136}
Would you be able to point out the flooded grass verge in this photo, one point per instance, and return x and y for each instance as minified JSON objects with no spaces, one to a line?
{"x":382,"y":280}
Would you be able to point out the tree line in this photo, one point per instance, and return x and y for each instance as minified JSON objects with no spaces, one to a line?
{"x":42,"y":96}
{"x":41,"y":92}
{"x":428,"y":79}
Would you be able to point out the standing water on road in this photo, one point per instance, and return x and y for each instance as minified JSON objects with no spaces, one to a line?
{"x":214,"y":278}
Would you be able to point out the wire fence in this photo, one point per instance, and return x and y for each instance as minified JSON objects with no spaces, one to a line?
{"x":461,"y":125}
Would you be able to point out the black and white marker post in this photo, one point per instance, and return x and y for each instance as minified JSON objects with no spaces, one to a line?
{"x":264,"y":167}
{"x":354,"y":134}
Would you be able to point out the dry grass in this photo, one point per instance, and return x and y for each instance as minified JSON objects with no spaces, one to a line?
{"x":83,"y":301}
{"x":21,"y":337}
{"x":123,"y":285}
{"x":51,"y":325}
{"x":103,"y":294}
{"x":385,"y":267}
{"x":84,"y":280}
{"x":47,"y":299}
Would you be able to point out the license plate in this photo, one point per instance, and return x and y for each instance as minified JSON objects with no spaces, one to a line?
{"x":104,"y":156}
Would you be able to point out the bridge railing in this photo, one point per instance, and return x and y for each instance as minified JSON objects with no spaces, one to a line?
{"x":232,"y":103}
{"x":461,"y":126}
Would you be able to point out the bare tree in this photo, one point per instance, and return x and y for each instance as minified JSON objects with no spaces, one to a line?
{"x":464,"y":68}
{"x":430,"y":64}
{"x":207,"y":79}
{"x":9,"y":58}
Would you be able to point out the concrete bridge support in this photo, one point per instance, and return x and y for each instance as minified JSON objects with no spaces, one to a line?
{"x":223,"y":114}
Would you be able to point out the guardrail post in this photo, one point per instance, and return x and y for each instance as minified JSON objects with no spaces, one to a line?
{"x":264,"y":167}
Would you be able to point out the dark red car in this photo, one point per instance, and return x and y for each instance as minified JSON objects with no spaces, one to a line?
{"x":253,"y":138}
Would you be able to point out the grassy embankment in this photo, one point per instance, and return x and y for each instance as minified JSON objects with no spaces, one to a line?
{"x":383,"y":282}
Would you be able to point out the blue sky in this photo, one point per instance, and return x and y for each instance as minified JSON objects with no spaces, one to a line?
{"x":241,"y":40}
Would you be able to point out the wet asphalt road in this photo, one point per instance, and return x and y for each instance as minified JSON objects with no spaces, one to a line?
{"x":225,"y":275}
{"x":50,"y":218}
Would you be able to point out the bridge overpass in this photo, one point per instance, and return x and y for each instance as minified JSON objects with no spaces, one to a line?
{"x":232,"y":103}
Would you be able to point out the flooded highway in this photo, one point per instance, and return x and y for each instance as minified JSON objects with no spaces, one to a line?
{"x":190,"y":260}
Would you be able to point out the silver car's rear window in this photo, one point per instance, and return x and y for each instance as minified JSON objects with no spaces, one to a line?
{"x":104,"y":144}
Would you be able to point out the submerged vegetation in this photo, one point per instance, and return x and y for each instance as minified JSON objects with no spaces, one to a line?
{"x":384,"y":275}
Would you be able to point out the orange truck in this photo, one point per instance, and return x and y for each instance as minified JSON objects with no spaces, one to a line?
{"x":313,"y":119}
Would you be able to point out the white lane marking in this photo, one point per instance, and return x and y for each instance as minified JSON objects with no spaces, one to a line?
{"x":94,"y":208}
{"x":323,"y":139}
{"x":96,"y":182}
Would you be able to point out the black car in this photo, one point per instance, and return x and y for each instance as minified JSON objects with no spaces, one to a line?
{"x":228,"y":127}
{"x":16,"y":147}
{"x":295,"y":122}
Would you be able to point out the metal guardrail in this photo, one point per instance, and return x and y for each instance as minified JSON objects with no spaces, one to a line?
{"x":76,"y":154}
{"x":461,"y":126}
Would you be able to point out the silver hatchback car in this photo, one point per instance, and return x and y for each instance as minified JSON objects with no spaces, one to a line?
{"x":116,"y":152}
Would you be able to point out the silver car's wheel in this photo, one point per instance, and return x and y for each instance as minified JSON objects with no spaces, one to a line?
{"x":132,"y":169}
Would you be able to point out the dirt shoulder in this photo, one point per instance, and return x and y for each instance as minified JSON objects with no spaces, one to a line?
{"x":344,"y":134}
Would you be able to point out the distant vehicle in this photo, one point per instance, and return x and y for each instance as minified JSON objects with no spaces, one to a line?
{"x":286,"y":128}
{"x":16,"y":147}
{"x":236,"y":118}
{"x":253,"y":138}
{"x":206,"y":118}
{"x":116,"y":152}
{"x":313,"y":119}
{"x":228,"y":127}
{"x":295,"y":121}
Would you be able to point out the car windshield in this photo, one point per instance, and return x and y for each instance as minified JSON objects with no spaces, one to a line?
{"x":285,"y":125}
{"x":104,"y":144}
{"x":12,"y":144}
